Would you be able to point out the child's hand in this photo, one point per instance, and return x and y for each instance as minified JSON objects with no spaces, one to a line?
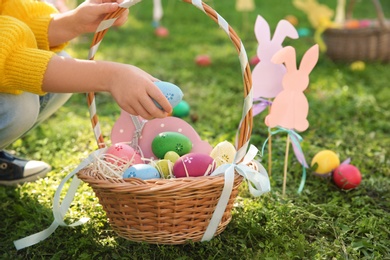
{"x":83,"y":19}
{"x":133,"y":89}
{"x":90,"y":13}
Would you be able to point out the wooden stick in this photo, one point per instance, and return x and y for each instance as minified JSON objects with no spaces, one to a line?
{"x":269,"y":148}
{"x":285,"y":165}
{"x":269,"y":154}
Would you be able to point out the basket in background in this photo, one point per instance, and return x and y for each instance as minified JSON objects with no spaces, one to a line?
{"x":370,"y":43}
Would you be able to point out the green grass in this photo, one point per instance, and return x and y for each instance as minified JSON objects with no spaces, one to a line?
{"x":349,"y":114}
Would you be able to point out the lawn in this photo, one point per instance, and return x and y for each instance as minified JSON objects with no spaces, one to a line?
{"x":349,"y":114}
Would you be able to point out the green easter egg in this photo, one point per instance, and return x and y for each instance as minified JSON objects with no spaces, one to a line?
{"x":171,"y":141}
{"x":181,"y":110}
{"x":172,"y":156}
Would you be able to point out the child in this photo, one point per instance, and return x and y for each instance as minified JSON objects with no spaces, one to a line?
{"x":37,"y":77}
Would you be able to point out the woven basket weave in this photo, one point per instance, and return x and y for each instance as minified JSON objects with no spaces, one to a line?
{"x":167,"y":211}
{"x":364,"y":44}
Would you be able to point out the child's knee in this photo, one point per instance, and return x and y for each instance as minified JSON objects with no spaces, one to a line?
{"x":18,"y":114}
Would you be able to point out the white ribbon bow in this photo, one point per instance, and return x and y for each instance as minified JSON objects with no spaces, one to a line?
{"x":258,"y":184}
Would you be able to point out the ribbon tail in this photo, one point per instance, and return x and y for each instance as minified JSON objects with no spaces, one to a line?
{"x":258,"y":108}
{"x":250,"y":155}
{"x":260,"y":105}
{"x":35,"y":238}
{"x":298,"y":151}
{"x":303,"y":180}
{"x":301,"y":158}
{"x":59,"y":210}
{"x":346,"y":161}
{"x":221,"y":205}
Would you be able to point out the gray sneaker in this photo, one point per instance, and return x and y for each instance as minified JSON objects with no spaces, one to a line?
{"x":15,"y":171}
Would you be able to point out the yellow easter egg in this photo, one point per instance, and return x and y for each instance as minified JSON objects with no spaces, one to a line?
{"x":172,"y":156}
{"x":358,"y":66}
{"x":326,"y":161}
{"x":164,"y":167}
{"x":223,"y":153}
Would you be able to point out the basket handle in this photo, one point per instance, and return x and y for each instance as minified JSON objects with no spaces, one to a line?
{"x":378,"y":9}
{"x":246,"y":123}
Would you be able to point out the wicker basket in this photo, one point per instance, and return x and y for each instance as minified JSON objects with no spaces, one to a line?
{"x":360,"y":44}
{"x":168,"y":211}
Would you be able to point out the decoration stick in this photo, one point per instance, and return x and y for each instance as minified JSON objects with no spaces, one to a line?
{"x":285,"y":164}
{"x":269,"y":148}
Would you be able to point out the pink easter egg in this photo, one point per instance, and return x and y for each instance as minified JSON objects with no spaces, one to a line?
{"x":161,"y":32}
{"x":193,"y":165}
{"x":203,"y":60}
{"x":254,"y":60}
{"x":121,"y":153}
{"x":364,"y":23}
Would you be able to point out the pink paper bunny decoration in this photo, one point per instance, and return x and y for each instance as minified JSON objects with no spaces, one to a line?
{"x":267,"y":76}
{"x":290,"y":107}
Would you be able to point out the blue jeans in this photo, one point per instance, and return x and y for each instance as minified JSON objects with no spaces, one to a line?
{"x":21,"y":113}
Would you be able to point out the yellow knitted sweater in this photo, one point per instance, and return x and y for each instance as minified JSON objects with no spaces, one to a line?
{"x":24,"y":46}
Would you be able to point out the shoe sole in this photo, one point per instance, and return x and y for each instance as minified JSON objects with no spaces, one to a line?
{"x":30,"y":178}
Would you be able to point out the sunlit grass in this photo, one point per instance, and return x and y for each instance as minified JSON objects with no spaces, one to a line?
{"x":349,"y":113}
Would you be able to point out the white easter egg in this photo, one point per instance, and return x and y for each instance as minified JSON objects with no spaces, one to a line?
{"x":223,"y":153}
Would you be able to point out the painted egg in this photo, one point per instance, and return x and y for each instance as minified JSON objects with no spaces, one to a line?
{"x":352,"y":24}
{"x":171,"y":141}
{"x":292,"y":19}
{"x":161,"y":31}
{"x":181,"y":110}
{"x":223,"y":153}
{"x":141,"y":171}
{"x":172,"y":156}
{"x":193,"y":165}
{"x":303,"y":32}
{"x":164,"y":167}
{"x":203,"y":60}
{"x":364,"y":23}
{"x":325,"y":162}
{"x":121,"y":153}
{"x":172,"y":92}
{"x":347,"y":177}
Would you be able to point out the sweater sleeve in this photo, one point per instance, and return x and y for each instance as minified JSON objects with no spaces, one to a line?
{"x":22,"y":64}
{"x":37,"y":15}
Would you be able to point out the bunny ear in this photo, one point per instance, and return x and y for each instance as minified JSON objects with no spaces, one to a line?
{"x":287,"y":56}
{"x":284,"y":29}
{"x":262,"y":30}
{"x":309,"y":60}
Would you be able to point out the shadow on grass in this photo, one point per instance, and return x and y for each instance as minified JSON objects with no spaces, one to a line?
{"x":24,"y":215}
{"x":15,"y":205}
